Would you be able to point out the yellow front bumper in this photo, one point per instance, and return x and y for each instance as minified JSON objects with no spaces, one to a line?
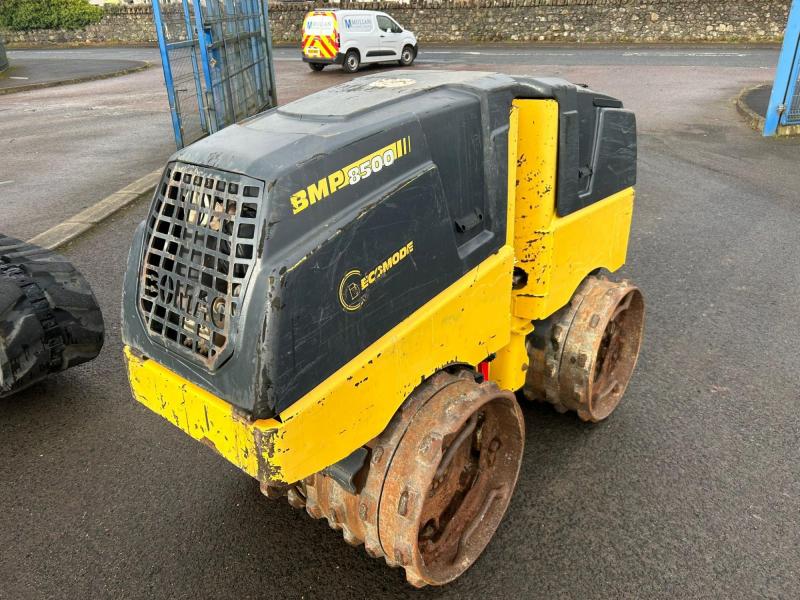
{"x":214,"y":422}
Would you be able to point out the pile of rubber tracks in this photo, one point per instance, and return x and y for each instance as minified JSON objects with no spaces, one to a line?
{"x":437,"y":482}
{"x":49,"y":318}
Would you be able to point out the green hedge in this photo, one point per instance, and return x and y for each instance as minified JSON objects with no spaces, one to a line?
{"x":22,"y":15}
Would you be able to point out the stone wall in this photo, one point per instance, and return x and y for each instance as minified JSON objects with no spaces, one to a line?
{"x":492,"y":21}
{"x":120,"y":25}
{"x":572,"y":20}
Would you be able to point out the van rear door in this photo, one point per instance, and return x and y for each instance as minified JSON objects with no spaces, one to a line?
{"x":320,"y":35}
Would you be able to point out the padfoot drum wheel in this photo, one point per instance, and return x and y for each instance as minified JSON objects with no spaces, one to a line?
{"x":584,"y":356}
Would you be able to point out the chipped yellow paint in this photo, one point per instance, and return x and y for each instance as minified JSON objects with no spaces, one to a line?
{"x":464,"y":324}
{"x":558,"y":253}
{"x":509,"y":366}
{"x":202,"y":415}
{"x":473,"y":318}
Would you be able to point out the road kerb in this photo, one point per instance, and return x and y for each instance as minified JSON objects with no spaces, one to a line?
{"x":64,"y":232}
{"x":59,"y":82}
{"x":757,"y":121}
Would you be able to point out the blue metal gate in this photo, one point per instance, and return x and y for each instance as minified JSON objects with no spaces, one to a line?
{"x":784,"y":104}
{"x":217,"y":60}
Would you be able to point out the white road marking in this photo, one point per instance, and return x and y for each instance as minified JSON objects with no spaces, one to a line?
{"x":19,"y":77}
{"x":550,"y":53}
{"x":678,"y":53}
{"x":479,"y":53}
{"x":5,"y":182}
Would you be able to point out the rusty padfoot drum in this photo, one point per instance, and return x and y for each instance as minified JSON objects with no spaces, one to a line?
{"x":437,"y":482}
{"x":582,"y":358}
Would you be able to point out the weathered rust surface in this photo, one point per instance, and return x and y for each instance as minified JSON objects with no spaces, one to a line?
{"x":584,"y":356}
{"x":438,"y":481}
{"x":450,"y":481}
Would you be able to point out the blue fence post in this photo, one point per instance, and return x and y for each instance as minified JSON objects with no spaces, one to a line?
{"x":253,"y":27}
{"x":786,"y":75}
{"x":201,"y":105}
{"x":162,"y":47}
{"x":204,"y":40}
{"x":267,"y":33}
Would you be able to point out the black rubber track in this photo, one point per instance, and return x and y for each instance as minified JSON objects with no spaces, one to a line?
{"x":49,"y":317}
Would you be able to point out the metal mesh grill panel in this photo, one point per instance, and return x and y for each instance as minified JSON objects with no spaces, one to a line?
{"x":216,"y":61}
{"x":185,"y":64}
{"x":200,"y":247}
{"x":241,"y":80}
{"x":794,"y":104}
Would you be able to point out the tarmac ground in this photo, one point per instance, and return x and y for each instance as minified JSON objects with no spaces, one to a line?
{"x":690,"y":490}
{"x":32,"y":72}
{"x":757,"y":99}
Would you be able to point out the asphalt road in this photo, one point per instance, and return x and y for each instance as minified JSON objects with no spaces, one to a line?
{"x":595,"y":54}
{"x":691,"y":490}
{"x":65,"y":148}
{"x":39,"y":71}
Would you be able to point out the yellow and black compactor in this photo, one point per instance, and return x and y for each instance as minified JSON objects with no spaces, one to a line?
{"x":346,"y":296}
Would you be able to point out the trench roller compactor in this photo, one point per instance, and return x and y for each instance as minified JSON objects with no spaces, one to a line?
{"x":346,"y":296}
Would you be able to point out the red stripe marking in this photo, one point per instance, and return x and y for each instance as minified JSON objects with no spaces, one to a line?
{"x":327,"y":48}
{"x":484,"y":370}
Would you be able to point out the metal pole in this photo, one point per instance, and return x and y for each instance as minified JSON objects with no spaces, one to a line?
{"x":231,"y":86}
{"x":197,"y":84}
{"x":203,"y":40}
{"x":256,"y":44}
{"x":786,"y":74}
{"x":268,"y":39}
{"x":168,"y":80}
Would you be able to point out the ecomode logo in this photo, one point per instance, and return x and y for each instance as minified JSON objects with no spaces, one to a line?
{"x":353,"y":287}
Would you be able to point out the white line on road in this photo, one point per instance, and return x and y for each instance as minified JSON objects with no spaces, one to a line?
{"x":673,"y":54}
{"x":547,"y":53}
{"x":5,"y":182}
{"x":490,"y":53}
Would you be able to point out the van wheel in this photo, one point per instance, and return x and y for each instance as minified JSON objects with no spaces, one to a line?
{"x":407,"y":56}
{"x":316,"y":66}
{"x":351,"y":61}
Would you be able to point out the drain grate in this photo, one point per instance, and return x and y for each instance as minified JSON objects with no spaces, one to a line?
{"x":200,"y":247}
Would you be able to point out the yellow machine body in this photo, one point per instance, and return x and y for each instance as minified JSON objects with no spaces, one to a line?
{"x":478,"y":316}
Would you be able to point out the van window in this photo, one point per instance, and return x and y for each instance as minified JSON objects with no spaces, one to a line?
{"x":386,"y":24}
{"x":358,"y":23}
{"x":319,"y":25}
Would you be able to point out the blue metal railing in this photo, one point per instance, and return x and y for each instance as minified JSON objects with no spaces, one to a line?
{"x":217,"y":58}
{"x":784,"y":103}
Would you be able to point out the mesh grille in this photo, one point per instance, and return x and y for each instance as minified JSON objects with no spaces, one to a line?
{"x":200,"y":247}
{"x":794,"y":105}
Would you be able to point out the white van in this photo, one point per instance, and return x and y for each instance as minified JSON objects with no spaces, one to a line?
{"x":354,"y":37}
